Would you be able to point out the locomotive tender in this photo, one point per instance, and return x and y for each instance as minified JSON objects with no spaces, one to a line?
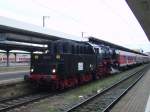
{"x":67,"y":63}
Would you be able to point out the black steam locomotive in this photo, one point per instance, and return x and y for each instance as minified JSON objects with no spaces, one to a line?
{"x":68,"y":63}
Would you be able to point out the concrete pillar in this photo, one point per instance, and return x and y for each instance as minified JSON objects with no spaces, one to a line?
{"x":15,"y":57}
{"x":31,"y":53}
{"x":7,"y":54}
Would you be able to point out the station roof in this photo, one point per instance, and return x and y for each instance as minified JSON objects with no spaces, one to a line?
{"x":141,"y":9}
{"x":98,"y":41}
{"x":9,"y":45}
{"x":13,"y":30}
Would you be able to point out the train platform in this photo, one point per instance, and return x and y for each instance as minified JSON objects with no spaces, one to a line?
{"x":137,"y":99}
{"x":11,"y":69}
{"x":11,"y":74}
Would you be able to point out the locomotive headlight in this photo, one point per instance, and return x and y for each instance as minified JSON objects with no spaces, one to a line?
{"x":57,"y":56}
{"x":32,"y":70}
{"x":53,"y":70}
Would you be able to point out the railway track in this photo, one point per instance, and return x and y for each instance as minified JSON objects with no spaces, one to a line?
{"x":104,"y":100}
{"x":10,"y":103}
{"x":7,"y":104}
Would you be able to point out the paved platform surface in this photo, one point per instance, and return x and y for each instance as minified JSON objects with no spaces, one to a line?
{"x":136,"y":99}
{"x":4,"y":69}
{"x":13,"y":75}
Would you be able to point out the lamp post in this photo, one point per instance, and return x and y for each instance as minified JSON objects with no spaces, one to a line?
{"x":82,"y":34}
{"x":44,"y":17}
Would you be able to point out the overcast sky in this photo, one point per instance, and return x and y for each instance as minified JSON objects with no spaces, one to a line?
{"x":110,"y":20}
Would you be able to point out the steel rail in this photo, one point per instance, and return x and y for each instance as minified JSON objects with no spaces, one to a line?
{"x":8,"y":104}
{"x":73,"y":108}
{"x":116,"y":100}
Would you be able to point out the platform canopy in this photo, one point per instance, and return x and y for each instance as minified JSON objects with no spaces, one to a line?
{"x":11,"y":45}
{"x":13,"y":30}
{"x":102,"y":42}
{"x":141,"y":9}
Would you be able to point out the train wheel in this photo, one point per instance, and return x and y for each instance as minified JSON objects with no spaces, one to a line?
{"x":55,"y":85}
{"x":61,"y":85}
{"x":76,"y":81}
